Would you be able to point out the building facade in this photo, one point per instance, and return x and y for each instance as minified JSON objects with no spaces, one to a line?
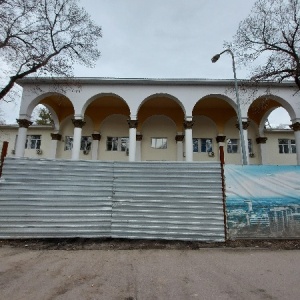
{"x":155,"y":120}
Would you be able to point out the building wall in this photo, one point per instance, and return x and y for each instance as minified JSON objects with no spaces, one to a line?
{"x":9,"y":134}
{"x":156,"y":126}
{"x":113,"y":126}
{"x":274,"y":157}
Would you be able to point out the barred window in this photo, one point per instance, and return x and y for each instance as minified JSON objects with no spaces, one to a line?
{"x":117,"y":143}
{"x":68,"y":143}
{"x":202,"y":145}
{"x":85,"y":144}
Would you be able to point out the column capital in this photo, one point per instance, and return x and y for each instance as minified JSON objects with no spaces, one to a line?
{"x":179,"y":137}
{"x":188,"y":124}
{"x":132,"y":123}
{"x":78,"y":123}
{"x":96,"y":136}
{"x":221,"y":138}
{"x":139,"y":137}
{"x":56,"y":136}
{"x":295,"y":126}
{"x":245,"y":125}
{"x":261,"y":140}
{"x":24,"y":123}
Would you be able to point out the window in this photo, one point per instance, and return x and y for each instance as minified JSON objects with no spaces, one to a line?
{"x":202,"y":145}
{"x":33,"y":142}
{"x":68,"y":143}
{"x":250,"y":146}
{"x":159,"y":143}
{"x":232,"y":146}
{"x":287,"y":146}
{"x":86,"y":142}
{"x":117,"y":143}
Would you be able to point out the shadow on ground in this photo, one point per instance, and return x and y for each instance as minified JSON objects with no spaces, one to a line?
{"x":126,"y":244}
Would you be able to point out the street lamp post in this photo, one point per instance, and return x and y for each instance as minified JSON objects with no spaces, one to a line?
{"x":214,"y":59}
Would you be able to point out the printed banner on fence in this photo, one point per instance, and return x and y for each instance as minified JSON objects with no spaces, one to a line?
{"x":263,"y":201}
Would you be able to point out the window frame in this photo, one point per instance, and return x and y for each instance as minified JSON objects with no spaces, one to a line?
{"x":237,"y":145}
{"x":201,"y":144}
{"x":118,"y":145}
{"x":289,"y":147}
{"x":33,"y":141}
{"x":155,"y":143}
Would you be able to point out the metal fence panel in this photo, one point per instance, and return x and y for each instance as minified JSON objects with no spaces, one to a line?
{"x":168,"y":200}
{"x":146,"y":200}
{"x":55,"y":198}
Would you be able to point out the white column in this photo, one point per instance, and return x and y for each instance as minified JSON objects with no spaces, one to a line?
{"x":261,"y":141}
{"x":179,"y":143}
{"x":22,"y":135}
{"x":132,"y":139}
{"x":95,"y":145}
{"x":188,"y":124}
{"x":296,"y":128}
{"x":245,"y":133}
{"x":138,"y":155}
{"x":246,"y":144}
{"x":54,"y":143}
{"x":78,"y":123}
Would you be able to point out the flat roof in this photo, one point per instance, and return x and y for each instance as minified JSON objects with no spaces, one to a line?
{"x":146,"y":81}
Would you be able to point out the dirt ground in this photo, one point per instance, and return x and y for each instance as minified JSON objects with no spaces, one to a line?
{"x":125,"y":244}
{"x":163,"y":272}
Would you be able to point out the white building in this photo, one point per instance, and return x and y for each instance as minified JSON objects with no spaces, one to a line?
{"x":155,"y":120}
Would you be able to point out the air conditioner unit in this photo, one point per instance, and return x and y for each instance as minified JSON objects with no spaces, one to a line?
{"x":211,"y":154}
{"x":39,"y":151}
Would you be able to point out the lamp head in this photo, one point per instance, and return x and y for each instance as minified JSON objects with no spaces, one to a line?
{"x":215,"y":58}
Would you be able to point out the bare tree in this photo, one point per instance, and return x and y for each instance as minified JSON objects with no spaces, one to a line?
{"x":45,"y":38}
{"x":272,"y":33}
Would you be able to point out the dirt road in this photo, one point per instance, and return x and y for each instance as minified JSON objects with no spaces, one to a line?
{"x":149,"y":274}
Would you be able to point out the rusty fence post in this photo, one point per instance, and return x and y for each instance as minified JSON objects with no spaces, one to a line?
{"x":3,"y":154}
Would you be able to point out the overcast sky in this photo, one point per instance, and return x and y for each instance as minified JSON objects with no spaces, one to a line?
{"x":163,"y":39}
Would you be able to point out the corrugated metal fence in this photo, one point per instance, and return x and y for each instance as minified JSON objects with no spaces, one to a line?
{"x":146,"y":200}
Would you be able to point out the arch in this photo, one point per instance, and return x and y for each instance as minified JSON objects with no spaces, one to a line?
{"x":161,"y":104}
{"x":261,"y":108}
{"x":101,"y":95}
{"x":100,"y":106}
{"x":221,"y":97}
{"x":162,"y":95}
{"x":216,"y":107}
{"x":58,"y":104}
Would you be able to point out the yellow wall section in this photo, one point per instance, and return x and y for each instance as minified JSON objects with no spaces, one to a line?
{"x":161,"y":106}
{"x":216,"y":109}
{"x":103,"y":107}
